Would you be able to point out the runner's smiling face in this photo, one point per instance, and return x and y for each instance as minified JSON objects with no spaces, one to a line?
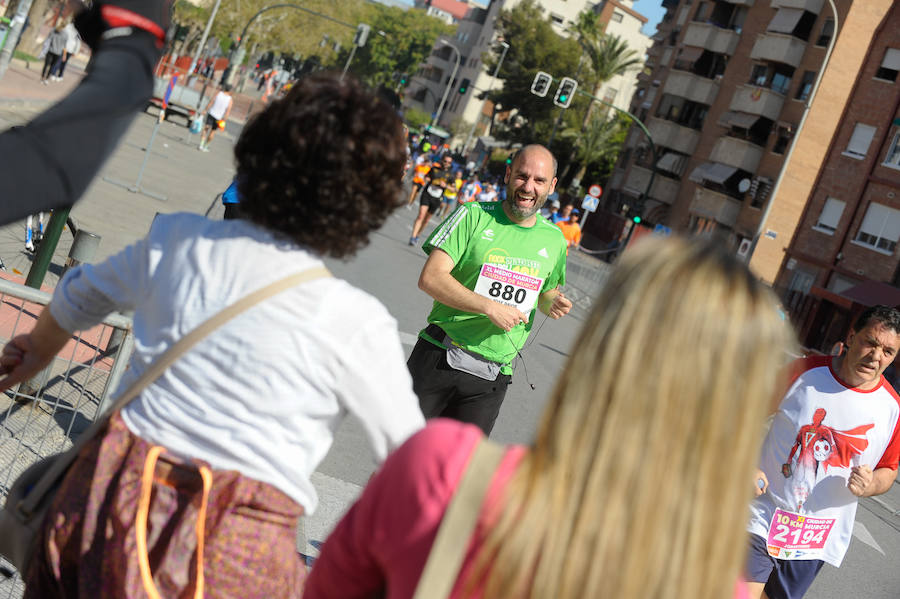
{"x":869,"y":352}
{"x":529,"y":180}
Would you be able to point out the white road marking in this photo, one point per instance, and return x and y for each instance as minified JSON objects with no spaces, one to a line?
{"x":862,"y":533}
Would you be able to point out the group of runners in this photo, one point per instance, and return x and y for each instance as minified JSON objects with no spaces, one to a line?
{"x":440,"y":185}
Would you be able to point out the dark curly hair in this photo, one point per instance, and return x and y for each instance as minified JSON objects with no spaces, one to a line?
{"x":323,"y":165}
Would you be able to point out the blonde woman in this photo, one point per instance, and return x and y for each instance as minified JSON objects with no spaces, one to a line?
{"x":635,"y":486}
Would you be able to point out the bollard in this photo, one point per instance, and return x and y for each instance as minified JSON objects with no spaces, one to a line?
{"x":83,"y":249}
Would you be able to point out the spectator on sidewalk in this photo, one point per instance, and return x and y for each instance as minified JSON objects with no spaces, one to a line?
{"x":73,"y":45}
{"x":54,"y":49}
{"x":256,"y":404}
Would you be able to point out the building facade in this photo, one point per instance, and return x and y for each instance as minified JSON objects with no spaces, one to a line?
{"x":844,"y":252}
{"x":726,"y":86}
{"x":476,"y":35}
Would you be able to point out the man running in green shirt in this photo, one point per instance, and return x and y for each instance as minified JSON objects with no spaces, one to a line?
{"x":489,"y":266}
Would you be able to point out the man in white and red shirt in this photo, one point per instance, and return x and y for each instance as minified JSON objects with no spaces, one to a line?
{"x":834,"y":438}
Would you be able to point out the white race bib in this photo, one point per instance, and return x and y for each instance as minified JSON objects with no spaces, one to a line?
{"x":509,"y":287}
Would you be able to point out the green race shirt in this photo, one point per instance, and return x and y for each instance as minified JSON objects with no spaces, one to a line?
{"x":499,"y":259}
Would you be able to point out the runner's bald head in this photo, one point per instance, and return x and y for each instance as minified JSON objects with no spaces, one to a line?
{"x":535,"y":148}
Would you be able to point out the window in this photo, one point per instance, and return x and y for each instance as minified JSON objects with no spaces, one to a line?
{"x":776,"y":77}
{"x":782,"y":139}
{"x":893,"y":156}
{"x":830,"y":216}
{"x":859,"y":141}
{"x":702,"y":13}
{"x":617,"y":17}
{"x":890,"y":66}
{"x":826,"y":33}
{"x":806,"y":83}
{"x":880,"y":228}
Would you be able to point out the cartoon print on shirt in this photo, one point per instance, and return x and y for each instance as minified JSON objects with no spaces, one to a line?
{"x":819,"y":444}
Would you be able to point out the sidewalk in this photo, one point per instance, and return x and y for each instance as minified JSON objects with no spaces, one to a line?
{"x":22,"y":82}
{"x":22,"y":85}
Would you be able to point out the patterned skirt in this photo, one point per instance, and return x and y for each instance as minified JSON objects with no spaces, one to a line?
{"x":131,"y":522}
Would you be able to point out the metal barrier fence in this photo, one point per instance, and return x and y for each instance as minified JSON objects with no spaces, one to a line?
{"x":42,"y":416}
{"x":586,"y":275}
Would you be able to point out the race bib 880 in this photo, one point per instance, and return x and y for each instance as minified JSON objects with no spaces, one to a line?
{"x":509,"y":287}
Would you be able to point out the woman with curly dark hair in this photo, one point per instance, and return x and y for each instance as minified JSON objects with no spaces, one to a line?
{"x":255,"y":404}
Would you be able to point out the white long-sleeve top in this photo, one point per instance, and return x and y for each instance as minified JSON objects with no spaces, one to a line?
{"x":264,"y":393}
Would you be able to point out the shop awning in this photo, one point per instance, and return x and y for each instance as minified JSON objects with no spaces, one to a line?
{"x":742,"y":120}
{"x":785,"y":20}
{"x":690,"y":53}
{"x":699,"y":174}
{"x":719,"y":173}
{"x":873,"y":293}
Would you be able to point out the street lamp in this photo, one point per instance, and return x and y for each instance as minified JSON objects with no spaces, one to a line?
{"x":490,"y":85}
{"x":437,"y":115}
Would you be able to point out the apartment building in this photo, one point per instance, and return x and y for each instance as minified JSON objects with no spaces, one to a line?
{"x":728,"y":83}
{"x":844,"y":255}
{"x":476,"y":35}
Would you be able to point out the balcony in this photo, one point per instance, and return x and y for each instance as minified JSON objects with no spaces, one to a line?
{"x":737,"y":152}
{"x":778,"y":47}
{"x":757,"y":100}
{"x":714,"y":39}
{"x":690,"y":86}
{"x":716,"y":206}
{"x":672,"y":135}
{"x":813,"y":6}
{"x":664,"y":189}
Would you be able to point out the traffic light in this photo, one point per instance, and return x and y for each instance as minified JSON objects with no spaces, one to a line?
{"x":464,"y":86}
{"x":508,"y":160}
{"x":565,"y":92}
{"x":541,"y":84}
{"x":404,"y":78}
{"x":637,"y":220}
{"x":362,"y":34}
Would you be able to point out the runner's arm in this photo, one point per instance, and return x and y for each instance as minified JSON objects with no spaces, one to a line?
{"x":865,"y":483}
{"x":437,"y":281}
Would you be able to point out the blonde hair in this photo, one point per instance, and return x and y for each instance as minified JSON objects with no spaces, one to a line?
{"x":638,"y":482}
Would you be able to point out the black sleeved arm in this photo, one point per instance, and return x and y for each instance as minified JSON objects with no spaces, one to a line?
{"x":50,"y":162}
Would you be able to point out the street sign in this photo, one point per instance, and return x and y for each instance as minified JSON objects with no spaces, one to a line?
{"x":589,"y":203}
{"x":662,"y":230}
{"x":595,"y":190}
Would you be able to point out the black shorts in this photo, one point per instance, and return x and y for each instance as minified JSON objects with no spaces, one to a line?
{"x":433,"y":203}
{"x":785,"y":579}
{"x":211,"y":121}
{"x":448,"y":393}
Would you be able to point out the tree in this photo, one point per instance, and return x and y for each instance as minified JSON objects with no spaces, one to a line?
{"x":399,"y":42}
{"x":533,"y":46}
{"x":607,"y":55}
{"x":598,"y":145}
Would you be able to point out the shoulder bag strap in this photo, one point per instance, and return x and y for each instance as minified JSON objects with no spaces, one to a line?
{"x":458,"y":525}
{"x":61,"y":464}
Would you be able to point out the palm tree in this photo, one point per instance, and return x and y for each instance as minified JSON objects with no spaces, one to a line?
{"x":607,"y":55}
{"x":600,"y":139}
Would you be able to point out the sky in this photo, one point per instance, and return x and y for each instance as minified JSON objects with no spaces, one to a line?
{"x":653,"y":10}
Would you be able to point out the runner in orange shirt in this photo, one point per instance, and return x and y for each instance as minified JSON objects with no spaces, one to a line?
{"x":571,"y":229}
